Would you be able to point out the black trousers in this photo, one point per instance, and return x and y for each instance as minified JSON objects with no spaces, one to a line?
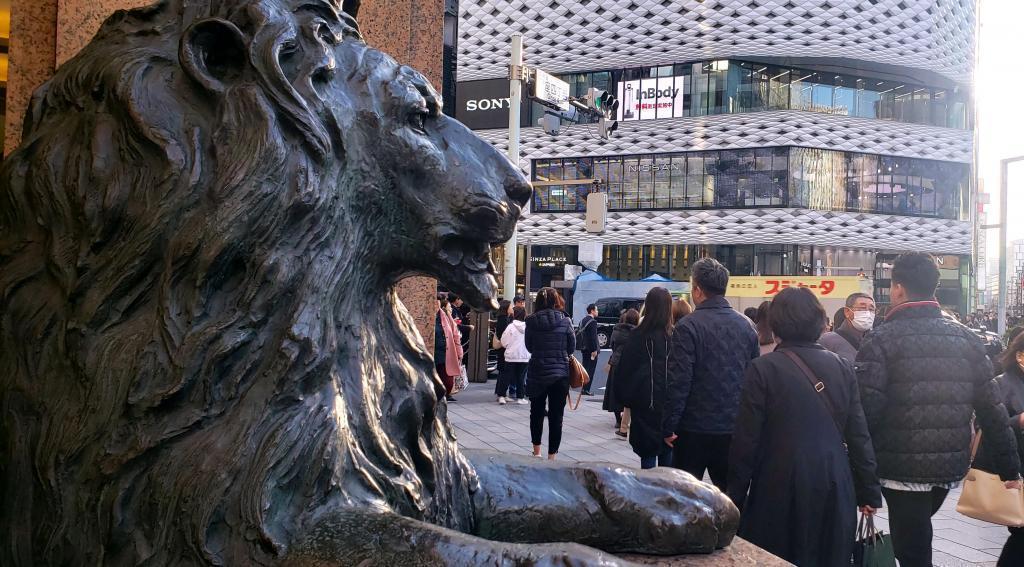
{"x":910,"y":522}
{"x":552,"y":396}
{"x":699,"y":452}
{"x":514,"y":376}
{"x":590,"y":366}
{"x":1013,"y":550}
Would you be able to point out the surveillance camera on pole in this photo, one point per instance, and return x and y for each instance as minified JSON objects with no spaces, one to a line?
{"x":551,"y":123}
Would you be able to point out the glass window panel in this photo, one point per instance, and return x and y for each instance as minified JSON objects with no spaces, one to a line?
{"x":920,"y":105}
{"x":699,"y":85}
{"x":903,"y":103}
{"x":957,"y":110}
{"x":615,"y":191}
{"x":778,"y":87}
{"x":661,"y":172}
{"x":710,"y":184}
{"x":780,"y":176}
{"x":677,"y":181}
{"x":844,"y":96}
{"x":822,"y":97}
{"x":886,"y":185}
{"x":727,"y":176}
{"x":645,"y":176}
{"x":886,"y":107}
{"x":801,"y":91}
{"x":868,"y":99}
{"x":694,"y":197}
{"x":869,"y":183}
{"x":940,"y":108}
{"x":630,"y":183}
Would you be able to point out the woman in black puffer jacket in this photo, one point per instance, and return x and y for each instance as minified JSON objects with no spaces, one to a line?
{"x":1011,"y":386}
{"x":551,"y":341}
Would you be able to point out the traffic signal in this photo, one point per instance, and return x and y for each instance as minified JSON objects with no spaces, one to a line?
{"x":607,"y":106}
{"x":606,"y":127}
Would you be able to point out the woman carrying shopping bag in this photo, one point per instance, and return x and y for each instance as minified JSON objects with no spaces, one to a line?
{"x":1011,"y":385}
{"x":801,"y":460}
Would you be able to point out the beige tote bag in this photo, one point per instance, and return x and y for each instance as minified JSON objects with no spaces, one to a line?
{"x":985,"y":497}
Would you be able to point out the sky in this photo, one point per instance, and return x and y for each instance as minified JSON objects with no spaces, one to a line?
{"x":999,"y":95}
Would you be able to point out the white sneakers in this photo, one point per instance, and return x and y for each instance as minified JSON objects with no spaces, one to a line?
{"x":522,"y":401}
{"x":502,"y":401}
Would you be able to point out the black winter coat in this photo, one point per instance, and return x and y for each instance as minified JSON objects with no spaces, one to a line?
{"x":551,"y":341}
{"x":922,"y":376}
{"x":642,"y":380}
{"x":1011,"y":386}
{"x":588,"y":334}
{"x":711,"y":349}
{"x":620,"y":336}
{"x":797,"y":487}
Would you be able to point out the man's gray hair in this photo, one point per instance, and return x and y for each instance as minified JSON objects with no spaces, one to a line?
{"x":710,"y":276}
{"x":855,"y":296}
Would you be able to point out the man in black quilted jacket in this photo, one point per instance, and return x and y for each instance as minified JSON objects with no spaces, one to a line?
{"x":711,"y":349}
{"x":922,"y":376}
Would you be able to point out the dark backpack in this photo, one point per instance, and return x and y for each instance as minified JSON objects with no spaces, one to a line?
{"x":581,"y":339}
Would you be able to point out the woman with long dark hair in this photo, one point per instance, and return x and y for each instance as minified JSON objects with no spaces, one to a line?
{"x":551,"y":341}
{"x":1011,"y":385}
{"x":642,"y":380}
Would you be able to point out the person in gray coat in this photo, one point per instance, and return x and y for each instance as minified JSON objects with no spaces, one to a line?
{"x":858,"y":319}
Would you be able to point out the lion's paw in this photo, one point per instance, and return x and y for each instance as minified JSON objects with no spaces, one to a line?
{"x":614,"y":508}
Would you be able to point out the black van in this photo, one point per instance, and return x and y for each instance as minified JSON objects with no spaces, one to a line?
{"x":609,"y":309}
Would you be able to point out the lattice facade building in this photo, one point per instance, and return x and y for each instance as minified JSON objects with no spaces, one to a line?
{"x":785,"y":137}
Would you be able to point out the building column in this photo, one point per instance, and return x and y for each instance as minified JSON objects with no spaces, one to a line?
{"x":46,"y":33}
{"x":413,"y":33}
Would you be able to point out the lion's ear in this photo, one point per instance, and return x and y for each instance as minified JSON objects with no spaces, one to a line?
{"x":213,"y":53}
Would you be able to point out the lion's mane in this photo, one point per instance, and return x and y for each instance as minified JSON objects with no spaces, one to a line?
{"x":194,"y":362}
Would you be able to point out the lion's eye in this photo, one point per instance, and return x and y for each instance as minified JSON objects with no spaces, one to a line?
{"x":417,"y":121}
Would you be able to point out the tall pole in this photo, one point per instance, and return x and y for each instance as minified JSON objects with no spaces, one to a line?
{"x":515,"y":102}
{"x":1004,"y":166}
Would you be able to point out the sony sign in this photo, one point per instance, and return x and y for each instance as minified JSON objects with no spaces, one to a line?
{"x":488,"y":104}
{"x":484,"y":104}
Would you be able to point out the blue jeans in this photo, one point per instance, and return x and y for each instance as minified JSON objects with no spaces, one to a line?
{"x":662,"y":460}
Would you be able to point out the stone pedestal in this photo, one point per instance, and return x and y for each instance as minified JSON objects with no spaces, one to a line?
{"x":740,"y":554}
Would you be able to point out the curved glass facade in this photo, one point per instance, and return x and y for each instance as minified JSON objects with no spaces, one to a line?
{"x":730,"y":86}
{"x":756,"y":177}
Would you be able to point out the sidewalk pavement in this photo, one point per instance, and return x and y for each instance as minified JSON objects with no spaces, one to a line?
{"x":588,"y":435}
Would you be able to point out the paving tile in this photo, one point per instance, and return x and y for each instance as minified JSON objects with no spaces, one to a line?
{"x":962,"y":551}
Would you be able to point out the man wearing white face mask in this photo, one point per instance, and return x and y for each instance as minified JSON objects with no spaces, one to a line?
{"x":860,"y":318}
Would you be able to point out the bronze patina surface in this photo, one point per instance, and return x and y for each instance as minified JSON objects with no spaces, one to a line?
{"x":202,"y":357}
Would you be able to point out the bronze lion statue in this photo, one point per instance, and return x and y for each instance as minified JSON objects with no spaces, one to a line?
{"x":202,"y":357}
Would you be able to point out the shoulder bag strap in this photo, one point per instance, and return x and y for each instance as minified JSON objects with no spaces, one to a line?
{"x":568,"y":399}
{"x":818,"y":386}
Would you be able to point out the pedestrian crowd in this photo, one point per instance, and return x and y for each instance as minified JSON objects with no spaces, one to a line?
{"x":801,"y":419}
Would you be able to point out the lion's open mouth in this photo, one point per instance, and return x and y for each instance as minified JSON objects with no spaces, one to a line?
{"x":472,"y":255}
{"x":469,"y":271}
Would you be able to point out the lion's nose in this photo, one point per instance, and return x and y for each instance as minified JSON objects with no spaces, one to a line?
{"x":518,"y":190}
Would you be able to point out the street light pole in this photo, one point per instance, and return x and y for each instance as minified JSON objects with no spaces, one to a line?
{"x":1003,"y":199}
{"x":515,"y":101}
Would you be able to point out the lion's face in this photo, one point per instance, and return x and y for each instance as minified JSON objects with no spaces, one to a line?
{"x":455,"y":194}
